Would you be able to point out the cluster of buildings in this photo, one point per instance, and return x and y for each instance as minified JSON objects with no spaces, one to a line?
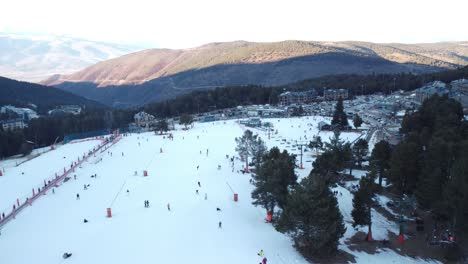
{"x":17,"y":117}
{"x":457,"y":90}
{"x":14,"y":118}
{"x":310,"y":96}
{"x":65,"y":109}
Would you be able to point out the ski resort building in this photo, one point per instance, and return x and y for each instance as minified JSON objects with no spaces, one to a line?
{"x":298,"y":98}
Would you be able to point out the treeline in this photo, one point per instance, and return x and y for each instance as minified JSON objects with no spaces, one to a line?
{"x":378,"y":83}
{"x":220,"y":98}
{"x":44,"y":131}
{"x":431,"y":162}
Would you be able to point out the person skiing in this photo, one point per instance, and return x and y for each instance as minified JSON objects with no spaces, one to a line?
{"x":199,"y":185}
{"x":74,"y":176}
{"x":85,"y":220}
{"x":206,"y":196}
{"x":219,"y":224}
{"x":260,"y":253}
{"x":168,"y":207}
{"x":196,"y":191}
{"x":77,"y":196}
{"x":264,"y":261}
{"x":66,"y":255}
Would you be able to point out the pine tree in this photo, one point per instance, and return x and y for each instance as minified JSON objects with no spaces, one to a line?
{"x":186,"y":120}
{"x":357,"y":121}
{"x":405,"y":166}
{"x":340,"y":120}
{"x":245,"y":146}
{"x":312,"y":218}
{"x":360,"y":150}
{"x":273,"y":179}
{"x":380,"y":159}
{"x":258,"y":150}
{"x":362,"y":203}
{"x":162,"y":125}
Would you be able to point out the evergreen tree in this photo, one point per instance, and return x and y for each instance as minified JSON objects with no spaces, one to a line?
{"x":380,"y":159}
{"x":340,"y":120}
{"x":362,"y":203}
{"x":186,"y":120}
{"x":273,"y":179}
{"x":316,"y":143}
{"x":245,"y":146}
{"x":357,"y":121}
{"x":162,"y":125}
{"x":360,"y":150}
{"x":312,"y":218}
{"x":405,"y":166}
{"x":258,"y":150}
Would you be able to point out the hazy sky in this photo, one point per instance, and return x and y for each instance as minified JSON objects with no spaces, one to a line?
{"x":189,"y":23}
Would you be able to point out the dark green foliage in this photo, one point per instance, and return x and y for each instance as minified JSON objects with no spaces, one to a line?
{"x":186,"y":120}
{"x":312,"y":218}
{"x":357,"y":121}
{"x":45,"y":130}
{"x":298,"y":111}
{"x":340,"y":120}
{"x":380,"y":159}
{"x":405,"y":166}
{"x":360,"y":150}
{"x":362,"y":202}
{"x":432,"y":159}
{"x":335,"y":158}
{"x":273,"y":179}
{"x":162,"y":125}
{"x":316,"y":143}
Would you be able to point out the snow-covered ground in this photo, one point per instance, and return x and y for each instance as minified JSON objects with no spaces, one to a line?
{"x":189,"y":232}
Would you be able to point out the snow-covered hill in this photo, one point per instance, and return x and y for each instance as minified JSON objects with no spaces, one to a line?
{"x":189,"y":232}
{"x":34,"y":58}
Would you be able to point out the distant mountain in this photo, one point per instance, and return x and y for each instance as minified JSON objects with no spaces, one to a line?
{"x":44,"y":97}
{"x":158,"y":74}
{"x":34,"y":58}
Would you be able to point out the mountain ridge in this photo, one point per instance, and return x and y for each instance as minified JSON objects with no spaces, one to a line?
{"x":150,"y":64}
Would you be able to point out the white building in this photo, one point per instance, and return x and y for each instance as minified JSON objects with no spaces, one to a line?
{"x":143,"y":119}
{"x":13,"y":124}
{"x":24,"y":113}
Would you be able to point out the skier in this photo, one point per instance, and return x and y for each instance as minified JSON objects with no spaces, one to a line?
{"x":198,"y":166}
{"x":122,"y":154}
{"x":264,"y":261}
{"x":77,"y":196}
{"x":199,"y":185}
{"x":196,"y":192}
{"x":260,"y":253}
{"x":207,"y":152}
{"x":128,"y":192}
{"x":74,"y":176}
{"x":168,"y":207}
{"x":66,"y":255}
{"x":53,"y":191}
{"x":85,"y":220}
{"x":85,"y":187}
{"x":206,"y":196}
{"x":219,"y":224}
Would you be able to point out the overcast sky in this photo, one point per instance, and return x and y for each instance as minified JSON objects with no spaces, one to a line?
{"x":190,"y":23}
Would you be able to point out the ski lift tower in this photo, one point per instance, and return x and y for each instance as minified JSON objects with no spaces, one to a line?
{"x":301,"y":145}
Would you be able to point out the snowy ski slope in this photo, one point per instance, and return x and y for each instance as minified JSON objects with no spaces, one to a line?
{"x":188,"y":233}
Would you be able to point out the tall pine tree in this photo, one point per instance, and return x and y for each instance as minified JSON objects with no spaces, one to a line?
{"x":380,"y":159}
{"x":362,"y":203}
{"x":340,"y":120}
{"x":312,"y":218}
{"x":274,"y":177}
